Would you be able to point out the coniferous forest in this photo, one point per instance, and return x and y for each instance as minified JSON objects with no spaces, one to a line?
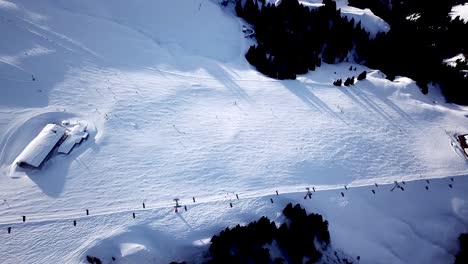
{"x":304,"y":236}
{"x":293,"y":39}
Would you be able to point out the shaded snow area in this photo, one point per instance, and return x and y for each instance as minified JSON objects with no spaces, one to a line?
{"x":461,"y":11}
{"x":172,"y":109}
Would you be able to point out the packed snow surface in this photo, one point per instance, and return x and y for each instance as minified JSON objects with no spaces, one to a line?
{"x":174,"y":110}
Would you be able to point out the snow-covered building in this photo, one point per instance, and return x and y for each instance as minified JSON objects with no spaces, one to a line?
{"x":37,"y":151}
{"x":75,"y":136}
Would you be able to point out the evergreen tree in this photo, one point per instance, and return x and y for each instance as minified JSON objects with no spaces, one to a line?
{"x":239,"y":9}
{"x":362,"y":76}
{"x":337,"y":82}
{"x":462,"y":255}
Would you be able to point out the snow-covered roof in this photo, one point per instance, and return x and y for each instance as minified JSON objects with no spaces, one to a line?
{"x":38,"y":149}
{"x":71,"y":141}
{"x":76,"y":133}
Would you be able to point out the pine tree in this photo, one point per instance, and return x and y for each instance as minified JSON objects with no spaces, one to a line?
{"x":349,"y":81}
{"x":362,"y":76}
{"x":239,"y":9}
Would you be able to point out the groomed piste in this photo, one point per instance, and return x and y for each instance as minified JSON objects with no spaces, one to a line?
{"x":173,"y":110}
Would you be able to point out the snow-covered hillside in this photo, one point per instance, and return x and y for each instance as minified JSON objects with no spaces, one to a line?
{"x":174,"y":110}
{"x":370,"y":22}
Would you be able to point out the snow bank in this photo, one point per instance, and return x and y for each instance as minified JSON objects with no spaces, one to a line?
{"x":311,"y":4}
{"x":460,"y":10}
{"x":137,"y":244}
{"x":452,"y":61}
{"x":203,"y":24}
{"x":7,"y":5}
{"x":41,"y":146}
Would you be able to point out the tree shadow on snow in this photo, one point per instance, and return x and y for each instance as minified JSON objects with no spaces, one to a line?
{"x":305,"y":93}
{"x":219,"y":73}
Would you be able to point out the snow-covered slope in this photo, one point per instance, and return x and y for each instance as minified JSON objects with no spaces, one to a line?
{"x":173,"y":110}
{"x":411,"y":226}
{"x":370,"y":22}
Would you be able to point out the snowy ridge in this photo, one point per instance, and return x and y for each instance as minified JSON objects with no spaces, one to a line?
{"x":370,"y":22}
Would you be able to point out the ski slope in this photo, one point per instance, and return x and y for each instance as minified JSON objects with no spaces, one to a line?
{"x":174,"y":110}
